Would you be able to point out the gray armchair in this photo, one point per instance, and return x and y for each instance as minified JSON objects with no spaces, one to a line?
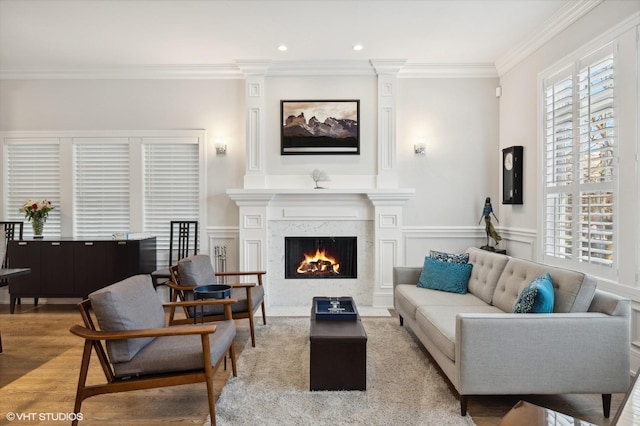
{"x":196,"y":271}
{"x":141,"y":352}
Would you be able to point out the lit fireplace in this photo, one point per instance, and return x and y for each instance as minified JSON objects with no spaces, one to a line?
{"x":320,"y":257}
{"x":318,"y":264}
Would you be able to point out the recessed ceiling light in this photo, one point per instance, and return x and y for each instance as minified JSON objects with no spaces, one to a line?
{"x":358,"y":47}
{"x":282,"y":48}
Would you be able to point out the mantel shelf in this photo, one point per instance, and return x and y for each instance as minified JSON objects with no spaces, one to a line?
{"x":265,"y":195}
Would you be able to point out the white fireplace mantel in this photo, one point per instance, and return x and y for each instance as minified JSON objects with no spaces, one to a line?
{"x":382,"y":208}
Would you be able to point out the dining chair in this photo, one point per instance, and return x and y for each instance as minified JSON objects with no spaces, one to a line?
{"x":183,"y":242}
{"x":12,"y":231}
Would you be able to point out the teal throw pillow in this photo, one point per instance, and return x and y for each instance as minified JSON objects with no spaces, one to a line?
{"x":449,"y":257}
{"x":537,"y":297}
{"x":445,"y":276}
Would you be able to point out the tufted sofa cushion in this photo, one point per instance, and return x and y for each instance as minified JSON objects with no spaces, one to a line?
{"x":573,"y":290}
{"x":487,"y":267}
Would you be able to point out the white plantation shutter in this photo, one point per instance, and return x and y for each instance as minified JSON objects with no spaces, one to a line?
{"x":558,"y":164}
{"x":101,"y":187}
{"x":580,"y":161}
{"x":171,"y":188}
{"x":33,"y":172}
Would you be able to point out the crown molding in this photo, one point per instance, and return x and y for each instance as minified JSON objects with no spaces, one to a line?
{"x":477,"y":70}
{"x":243,"y":68}
{"x":127,"y":72}
{"x":567,"y":15}
{"x":317,"y":68}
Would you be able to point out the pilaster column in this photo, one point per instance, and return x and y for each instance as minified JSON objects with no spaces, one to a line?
{"x":253,"y":240}
{"x":387,"y":71}
{"x":255,"y":104}
{"x":389,"y":247}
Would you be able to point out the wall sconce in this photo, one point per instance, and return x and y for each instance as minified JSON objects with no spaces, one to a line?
{"x":221,"y":147}
{"x":420,"y":147}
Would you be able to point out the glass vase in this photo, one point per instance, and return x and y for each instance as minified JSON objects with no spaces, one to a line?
{"x":38,"y":226}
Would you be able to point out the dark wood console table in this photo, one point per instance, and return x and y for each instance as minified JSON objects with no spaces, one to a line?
{"x":68,"y":267}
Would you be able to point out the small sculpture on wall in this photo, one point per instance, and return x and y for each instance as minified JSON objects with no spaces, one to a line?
{"x":319,"y":176}
{"x":487,"y":211}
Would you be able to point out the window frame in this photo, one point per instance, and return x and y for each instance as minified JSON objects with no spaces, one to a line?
{"x":574,"y":65}
{"x":65,"y":139}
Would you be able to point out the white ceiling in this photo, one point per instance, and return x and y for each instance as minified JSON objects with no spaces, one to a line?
{"x":66,"y":34}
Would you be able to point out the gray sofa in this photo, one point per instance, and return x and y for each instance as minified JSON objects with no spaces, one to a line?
{"x":484,"y":349}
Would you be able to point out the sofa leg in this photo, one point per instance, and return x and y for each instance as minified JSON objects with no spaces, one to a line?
{"x":606,"y":404}
{"x":401,"y":320}
{"x":463,"y":405}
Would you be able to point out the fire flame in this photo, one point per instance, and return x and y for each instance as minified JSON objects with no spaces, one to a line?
{"x":318,"y":263}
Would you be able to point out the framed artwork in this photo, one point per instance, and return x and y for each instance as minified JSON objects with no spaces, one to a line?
{"x":320,"y":127}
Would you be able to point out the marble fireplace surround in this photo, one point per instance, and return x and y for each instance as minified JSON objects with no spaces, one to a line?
{"x":374,"y":216}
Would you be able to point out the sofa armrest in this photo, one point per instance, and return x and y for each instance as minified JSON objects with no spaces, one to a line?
{"x":406,"y":275}
{"x":542,"y":353}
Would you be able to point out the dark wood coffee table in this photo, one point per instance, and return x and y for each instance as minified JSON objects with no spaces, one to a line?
{"x":338,"y":355}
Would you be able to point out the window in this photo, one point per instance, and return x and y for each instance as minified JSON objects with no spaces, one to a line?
{"x":101,"y":187}
{"x":580,"y":161}
{"x":106,"y":182}
{"x":171,"y":189}
{"x":33,"y":172}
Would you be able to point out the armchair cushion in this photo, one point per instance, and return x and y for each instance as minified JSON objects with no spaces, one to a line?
{"x":177,"y":353}
{"x":127,"y":305}
{"x":196,"y":270}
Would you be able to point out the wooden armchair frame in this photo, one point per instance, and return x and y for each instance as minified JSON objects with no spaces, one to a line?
{"x":94,"y":337}
{"x":179,"y":293}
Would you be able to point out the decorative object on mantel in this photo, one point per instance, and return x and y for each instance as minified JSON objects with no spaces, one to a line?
{"x":320,"y":127}
{"x":37,"y":213}
{"x":487,"y":211}
{"x":319,"y":176}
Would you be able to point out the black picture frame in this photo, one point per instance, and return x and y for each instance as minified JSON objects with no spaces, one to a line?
{"x":320,"y":127}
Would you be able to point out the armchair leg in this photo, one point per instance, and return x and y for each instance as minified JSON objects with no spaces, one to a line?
{"x":251,"y":327}
{"x":606,"y":404}
{"x":232,"y":355}
{"x":208,"y":373}
{"x":264,"y":314}
{"x":82,"y":379}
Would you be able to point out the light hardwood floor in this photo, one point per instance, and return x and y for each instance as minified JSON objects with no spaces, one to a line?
{"x":41,"y":359}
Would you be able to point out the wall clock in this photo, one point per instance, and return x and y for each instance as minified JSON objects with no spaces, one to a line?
{"x":512,"y":175}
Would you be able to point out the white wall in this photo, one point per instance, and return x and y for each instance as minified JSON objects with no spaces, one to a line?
{"x":458,"y":116}
{"x":519,"y":125}
{"x":459,"y":119}
{"x":519,"y":122}
{"x":213,"y":105}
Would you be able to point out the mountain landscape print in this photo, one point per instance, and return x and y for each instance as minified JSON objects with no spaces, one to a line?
{"x":320,"y":127}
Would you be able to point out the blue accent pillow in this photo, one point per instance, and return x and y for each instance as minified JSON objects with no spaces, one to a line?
{"x":537,"y":297}
{"x":445,"y":276}
{"x":449,"y":257}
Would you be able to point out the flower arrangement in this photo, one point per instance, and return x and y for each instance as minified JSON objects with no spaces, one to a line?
{"x":37,"y":210}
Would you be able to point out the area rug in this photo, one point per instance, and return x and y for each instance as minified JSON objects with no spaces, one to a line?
{"x":272,"y":387}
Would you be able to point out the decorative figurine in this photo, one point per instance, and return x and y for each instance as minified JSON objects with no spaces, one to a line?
{"x":319,"y":176}
{"x":491,"y":231}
